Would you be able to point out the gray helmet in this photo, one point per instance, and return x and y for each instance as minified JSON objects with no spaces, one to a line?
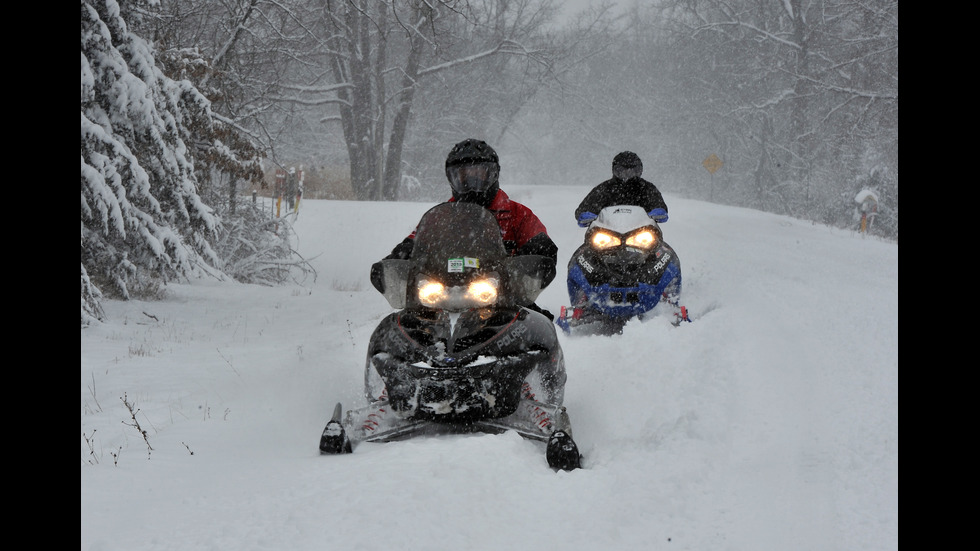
{"x":627,"y":166}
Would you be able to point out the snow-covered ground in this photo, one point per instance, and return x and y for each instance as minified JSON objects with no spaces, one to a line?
{"x":770,"y":423}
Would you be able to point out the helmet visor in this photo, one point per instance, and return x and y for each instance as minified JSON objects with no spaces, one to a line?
{"x":473,"y":178}
{"x":627,"y":172}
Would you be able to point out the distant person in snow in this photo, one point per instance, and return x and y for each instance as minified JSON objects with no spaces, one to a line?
{"x":624,"y":188}
{"x":473,"y":168}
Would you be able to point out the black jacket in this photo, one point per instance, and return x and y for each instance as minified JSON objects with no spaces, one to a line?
{"x":618,"y":192}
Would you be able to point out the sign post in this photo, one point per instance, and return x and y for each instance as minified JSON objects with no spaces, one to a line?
{"x":711,"y":164}
{"x":280,"y":186}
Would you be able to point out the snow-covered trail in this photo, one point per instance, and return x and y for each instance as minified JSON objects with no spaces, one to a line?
{"x":770,"y":423}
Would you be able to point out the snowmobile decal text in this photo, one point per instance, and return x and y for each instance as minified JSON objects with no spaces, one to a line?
{"x":516,"y":331}
{"x":585,"y":264}
{"x":662,"y":262}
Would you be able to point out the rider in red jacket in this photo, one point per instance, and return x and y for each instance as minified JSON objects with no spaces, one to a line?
{"x":473,"y":168}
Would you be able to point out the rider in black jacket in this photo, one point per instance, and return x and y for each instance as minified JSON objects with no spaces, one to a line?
{"x":624,"y":188}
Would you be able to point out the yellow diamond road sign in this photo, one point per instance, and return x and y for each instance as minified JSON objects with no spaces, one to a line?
{"x":712,"y":163}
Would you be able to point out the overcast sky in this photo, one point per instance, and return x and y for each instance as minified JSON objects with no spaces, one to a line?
{"x":571,"y":7}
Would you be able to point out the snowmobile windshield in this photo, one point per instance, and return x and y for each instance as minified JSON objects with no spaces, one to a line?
{"x":626,"y":226}
{"x":457,"y":261}
{"x":473,"y":177}
{"x":623,"y":218}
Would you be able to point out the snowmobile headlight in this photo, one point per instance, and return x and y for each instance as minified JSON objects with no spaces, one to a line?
{"x":477,"y":294}
{"x":483,"y":291}
{"x":604,"y":240}
{"x":642,"y":239}
{"x":431,"y":293}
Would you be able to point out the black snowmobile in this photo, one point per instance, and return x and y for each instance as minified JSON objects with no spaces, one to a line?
{"x":462,"y":353}
{"x":623,"y":270}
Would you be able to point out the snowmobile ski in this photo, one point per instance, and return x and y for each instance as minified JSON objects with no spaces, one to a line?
{"x":682,"y":313}
{"x":562,"y":452}
{"x":534,"y":421}
{"x":334,"y":438}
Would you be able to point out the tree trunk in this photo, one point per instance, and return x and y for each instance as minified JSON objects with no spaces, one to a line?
{"x":399,"y":127}
{"x":802,"y":90}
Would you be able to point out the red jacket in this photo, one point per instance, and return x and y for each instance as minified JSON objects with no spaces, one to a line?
{"x":517,"y":223}
{"x":520,"y":229}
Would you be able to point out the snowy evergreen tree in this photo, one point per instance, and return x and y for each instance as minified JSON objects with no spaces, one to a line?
{"x":143,"y":222}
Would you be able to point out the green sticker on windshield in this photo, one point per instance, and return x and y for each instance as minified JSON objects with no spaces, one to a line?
{"x":456,"y":265}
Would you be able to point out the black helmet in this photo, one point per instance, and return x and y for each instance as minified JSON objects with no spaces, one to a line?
{"x":473,"y":168}
{"x":627,"y":166}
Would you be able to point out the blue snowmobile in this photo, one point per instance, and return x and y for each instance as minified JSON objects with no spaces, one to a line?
{"x":623,"y":270}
